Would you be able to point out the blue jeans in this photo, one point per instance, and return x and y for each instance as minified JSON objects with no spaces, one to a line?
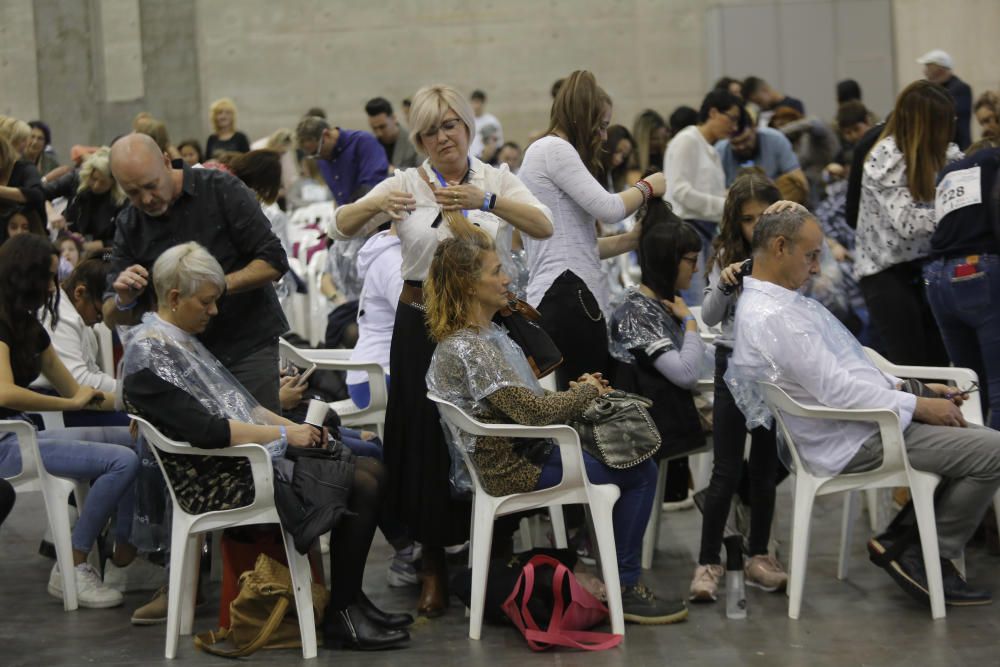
{"x":359,"y":447}
{"x":967,"y":310}
{"x":631,"y":513}
{"x":109,"y":462}
{"x":361,"y":393}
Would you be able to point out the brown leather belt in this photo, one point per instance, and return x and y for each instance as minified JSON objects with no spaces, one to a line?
{"x":412,"y":295}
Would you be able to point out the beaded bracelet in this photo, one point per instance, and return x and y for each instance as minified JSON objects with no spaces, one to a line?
{"x":645,"y":188}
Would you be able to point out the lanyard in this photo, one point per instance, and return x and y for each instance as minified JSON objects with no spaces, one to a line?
{"x":444,"y":183}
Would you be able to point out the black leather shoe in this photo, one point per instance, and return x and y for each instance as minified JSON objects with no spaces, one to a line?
{"x":385,"y":619}
{"x":908,"y":571}
{"x":350,"y":628}
{"x":957,"y":591}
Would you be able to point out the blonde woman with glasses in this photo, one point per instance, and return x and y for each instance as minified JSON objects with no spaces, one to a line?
{"x":442,"y":198}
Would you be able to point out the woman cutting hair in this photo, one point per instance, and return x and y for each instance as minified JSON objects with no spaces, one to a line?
{"x":450,"y":194}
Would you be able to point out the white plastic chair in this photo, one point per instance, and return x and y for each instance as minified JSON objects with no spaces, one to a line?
{"x":972,"y":409}
{"x":55,"y":493}
{"x":319,"y":305}
{"x":895,"y":470}
{"x":297,"y":305}
{"x":373,"y":414}
{"x":106,"y":348}
{"x":186,"y":530}
{"x":574,"y":488}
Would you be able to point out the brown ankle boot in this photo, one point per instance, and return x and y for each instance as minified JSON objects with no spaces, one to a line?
{"x":434,"y":575}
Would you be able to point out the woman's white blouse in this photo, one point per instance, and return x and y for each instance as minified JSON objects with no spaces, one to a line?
{"x":420,"y":232}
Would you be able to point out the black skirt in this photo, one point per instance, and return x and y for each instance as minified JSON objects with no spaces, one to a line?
{"x":417,"y":462}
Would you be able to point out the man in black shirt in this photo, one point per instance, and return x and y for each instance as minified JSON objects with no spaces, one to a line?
{"x":938,"y":68}
{"x":172,"y":204}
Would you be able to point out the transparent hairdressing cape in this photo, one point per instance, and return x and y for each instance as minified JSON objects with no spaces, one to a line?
{"x":179,"y":358}
{"x":467,"y":367}
{"x":774,"y":335}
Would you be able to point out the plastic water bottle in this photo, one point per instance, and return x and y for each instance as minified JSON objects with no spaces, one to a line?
{"x":736,"y":592}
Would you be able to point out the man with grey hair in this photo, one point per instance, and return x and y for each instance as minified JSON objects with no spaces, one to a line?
{"x":794,"y":342}
{"x":172,"y":204}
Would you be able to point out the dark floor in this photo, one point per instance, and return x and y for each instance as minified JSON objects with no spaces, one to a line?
{"x":865,"y":620}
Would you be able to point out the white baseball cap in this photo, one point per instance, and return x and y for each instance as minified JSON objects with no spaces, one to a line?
{"x":936,"y":57}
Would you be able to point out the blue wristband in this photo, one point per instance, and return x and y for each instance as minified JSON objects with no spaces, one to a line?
{"x":119,"y":307}
{"x":284,"y":435}
{"x":689,"y":318}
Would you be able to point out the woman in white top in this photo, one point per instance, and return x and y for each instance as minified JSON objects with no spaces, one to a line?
{"x":566,"y":284}
{"x":696,"y":182}
{"x":896,"y":221}
{"x":449,"y":181}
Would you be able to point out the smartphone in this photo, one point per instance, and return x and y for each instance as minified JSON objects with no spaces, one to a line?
{"x":304,"y":377}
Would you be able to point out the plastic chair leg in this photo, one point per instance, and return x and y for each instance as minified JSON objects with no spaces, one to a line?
{"x":650,"y":537}
{"x":189,"y":584}
{"x":525,"y":536}
{"x":922,"y":492}
{"x":55,"y":493}
{"x":178,"y":555}
{"x":846,"y":530}
{"x":600,"y":511}
{"x":801,"y":519}
{"x":298,"y":567}
{"x":483,"y":513}
{"x":558,"y":523}
{"x":874,"y":517}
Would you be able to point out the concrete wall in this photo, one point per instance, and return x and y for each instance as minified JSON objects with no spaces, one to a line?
{"x":57,"y":60}
{"x":967,"y":30}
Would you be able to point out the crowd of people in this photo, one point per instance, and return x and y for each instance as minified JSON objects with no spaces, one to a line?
{"x":798,"y":239}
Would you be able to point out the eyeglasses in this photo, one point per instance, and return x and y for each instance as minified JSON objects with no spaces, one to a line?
{"x":448,"y":126}
{"x":319,"y":148}
{"x":693,"y":260}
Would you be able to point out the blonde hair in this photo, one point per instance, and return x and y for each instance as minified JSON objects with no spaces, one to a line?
{"x":449,"y":290}
{"x":7,"y":159}
{"x":14,"y":130}
{"x":155,"y":129}
{"x":219,"y":105}
{"x":281,"y":139}
{"x":100,"y":161}
{"x":430,"y":105}
{"x":185,"y":268}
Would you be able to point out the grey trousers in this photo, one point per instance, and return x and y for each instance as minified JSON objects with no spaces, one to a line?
{"x":258,"y":372}
{"x":968,"y":460}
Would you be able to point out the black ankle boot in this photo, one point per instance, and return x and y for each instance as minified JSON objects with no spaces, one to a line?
{"x":379,"y":617}
{"x":350,"y":628}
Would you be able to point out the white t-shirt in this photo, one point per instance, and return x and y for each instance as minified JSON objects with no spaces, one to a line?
{"x":421,"y":231}
{"x":696,"y":182}
{"x":554,"y":172}
{"x":76,"y":345}
{"x":378,"y":266}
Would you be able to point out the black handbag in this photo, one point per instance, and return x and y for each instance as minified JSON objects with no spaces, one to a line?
{"x":617,"y":430}
{"x":522,"y":323}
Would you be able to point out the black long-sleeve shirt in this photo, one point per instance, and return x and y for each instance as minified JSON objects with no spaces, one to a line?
{"x":961,"y":93}
{"x":87,"y":212}
{"x":219,"y":212}
{"x":24,"y":176}
{"x":175,"y":412}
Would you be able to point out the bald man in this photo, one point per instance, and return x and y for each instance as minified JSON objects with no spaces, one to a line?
{"x":171,"y":204}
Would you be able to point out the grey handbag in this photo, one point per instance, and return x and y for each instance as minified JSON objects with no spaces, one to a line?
{"x":617,"y":430}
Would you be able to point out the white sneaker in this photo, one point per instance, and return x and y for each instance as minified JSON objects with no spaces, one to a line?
{"x":139,"y":575}
{"x":90,"y":590}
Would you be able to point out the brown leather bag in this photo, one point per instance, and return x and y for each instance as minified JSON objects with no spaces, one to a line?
{"x":259,"y":615}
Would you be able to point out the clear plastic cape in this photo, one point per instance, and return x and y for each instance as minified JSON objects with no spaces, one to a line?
{"x":805,"y":326}
{"x":179,"y":358}
{"x":467,"y":367}
{"x":342,"y":262}
{"x":640,"y":322}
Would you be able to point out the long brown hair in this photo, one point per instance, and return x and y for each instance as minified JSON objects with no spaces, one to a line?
{"x":750,"y":185}
{"x":922,"y":123}
{"x":577,"y":112}
{"x":449,"y":290}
